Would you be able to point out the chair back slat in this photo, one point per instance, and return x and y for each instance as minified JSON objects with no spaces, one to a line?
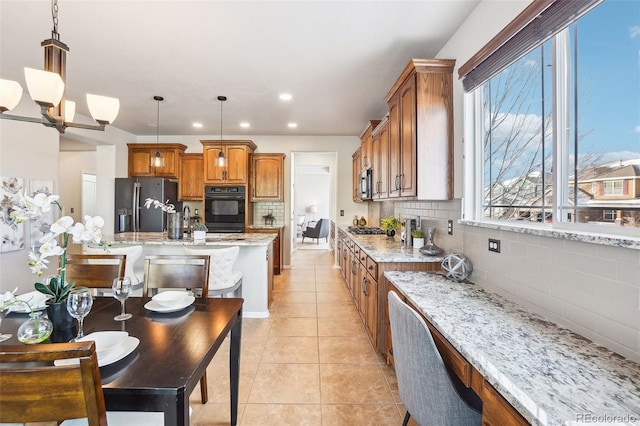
{"x":176,"y":272}
{"x":95,"y":270}
{"x":41,"y":392}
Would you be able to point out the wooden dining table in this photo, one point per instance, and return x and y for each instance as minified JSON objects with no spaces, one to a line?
{"x":173,"y":354}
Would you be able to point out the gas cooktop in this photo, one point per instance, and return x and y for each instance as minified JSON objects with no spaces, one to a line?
{"x":365,"y":230}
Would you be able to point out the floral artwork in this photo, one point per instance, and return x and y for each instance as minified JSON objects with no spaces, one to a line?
{"x":12,"y":236}
{"x":40,"y":225}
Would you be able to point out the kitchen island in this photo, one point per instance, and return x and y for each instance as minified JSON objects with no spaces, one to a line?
{"x":253,"y":259}
{"x":515,"y":359}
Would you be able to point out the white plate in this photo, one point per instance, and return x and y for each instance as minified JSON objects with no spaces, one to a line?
{"x":37,"y":301}
{"x":156,"y":307}
{"x":128,"y":345}
{"x":106,"y":341}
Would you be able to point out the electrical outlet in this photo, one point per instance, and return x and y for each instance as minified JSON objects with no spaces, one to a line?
{"x":494,"y":245}
{"x":341,"y":212}
{"x":450,"y":227}
{"x":73,"y":210}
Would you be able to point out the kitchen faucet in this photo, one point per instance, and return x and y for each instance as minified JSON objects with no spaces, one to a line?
{"x":187,"y":217}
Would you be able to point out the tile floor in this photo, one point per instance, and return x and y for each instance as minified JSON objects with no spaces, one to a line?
{"x":310,"y":363}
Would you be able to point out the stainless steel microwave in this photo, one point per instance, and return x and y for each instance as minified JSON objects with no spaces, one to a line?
{"x":366,"y":184}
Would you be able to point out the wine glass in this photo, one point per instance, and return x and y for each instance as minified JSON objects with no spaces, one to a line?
{"x":121,"y":291}
{"x":79,"y":304}
{"x":3,"y":312}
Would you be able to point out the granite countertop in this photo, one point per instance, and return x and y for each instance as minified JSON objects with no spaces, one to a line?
{"x":383,"y":249}
{"x":274,"y":227}
{"x":213,"y":239}
{"x":548,"y":373}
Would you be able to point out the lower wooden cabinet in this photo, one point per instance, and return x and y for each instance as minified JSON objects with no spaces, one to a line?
{"x":496,"y":411}
{"x":277,"y":246}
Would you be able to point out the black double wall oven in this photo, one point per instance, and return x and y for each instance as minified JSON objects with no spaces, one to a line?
{"x":224,"y":208}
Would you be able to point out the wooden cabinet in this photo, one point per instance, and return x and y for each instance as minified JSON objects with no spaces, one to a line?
{"x":421,"y":131}
{"x":267,"y":177}
{"x":366,"y":146}
{"x":380,"y":159}
{"x":368,"y":301}
{"x":496,"y":411}
{"x":356,"y":169}
{"x":139,"y":159}
{"x":277,"y":246}
{"x":191,"y":180}
{"x":236,"y":152}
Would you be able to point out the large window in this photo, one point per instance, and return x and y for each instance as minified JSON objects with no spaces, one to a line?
{"x":558,"y":130}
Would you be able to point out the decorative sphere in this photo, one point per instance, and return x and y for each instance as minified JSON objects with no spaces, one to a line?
{"x":456,"y":266}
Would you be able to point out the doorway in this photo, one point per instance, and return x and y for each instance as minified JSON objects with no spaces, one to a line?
{"x":88,"y":195}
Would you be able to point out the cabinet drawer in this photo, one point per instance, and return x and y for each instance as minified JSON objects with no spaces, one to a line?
{"x":372,"y":267}
{"x":363,"y":258}
{"x":496,"y":411}
{"x":356,"y":251}
{"x":452,"y":357}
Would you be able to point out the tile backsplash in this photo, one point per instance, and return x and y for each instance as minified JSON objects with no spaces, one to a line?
{"x":276,"y":208}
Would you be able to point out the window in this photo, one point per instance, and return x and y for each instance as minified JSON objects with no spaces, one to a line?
{"x":557,"y":131}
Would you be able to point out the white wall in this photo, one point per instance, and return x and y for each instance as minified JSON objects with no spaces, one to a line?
{"x":72,"y":165}
{"x":591,"y":289}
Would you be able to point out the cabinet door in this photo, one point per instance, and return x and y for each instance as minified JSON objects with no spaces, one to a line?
{"x":171,"y":163}
{"x":394,"y":147}
{"x":140,"y":162}
{"x":212,"y":173}
{"x":356,"y":163}
{"x":191,"y":181}
{"x":380,"y":157}
{"x":267,"y":180}
{"x":237,"y":164}
{"x":408,"y":138}
{"x":371,"y":314}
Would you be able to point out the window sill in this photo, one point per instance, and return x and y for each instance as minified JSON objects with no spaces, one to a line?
{"x":542,"y":231}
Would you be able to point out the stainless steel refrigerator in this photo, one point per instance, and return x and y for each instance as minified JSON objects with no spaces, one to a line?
{"x":130,"y":212}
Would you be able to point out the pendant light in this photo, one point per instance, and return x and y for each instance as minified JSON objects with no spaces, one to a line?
{"x":221,"y":161}
{"x":157,"y":160}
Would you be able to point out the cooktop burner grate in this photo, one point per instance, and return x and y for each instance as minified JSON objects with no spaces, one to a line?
{"x":365,"y":230}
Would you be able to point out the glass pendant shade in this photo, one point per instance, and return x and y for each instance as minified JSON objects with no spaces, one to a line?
{"x":10,"y":94}
{"x":44,"y":87}
{"x":69,"y":110}
{"x":157,"y":160}
{"x":103,"y":108}
{"x":221,"y":161}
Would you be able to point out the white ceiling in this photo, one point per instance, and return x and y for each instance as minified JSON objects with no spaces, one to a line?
{"x":338,"y":59}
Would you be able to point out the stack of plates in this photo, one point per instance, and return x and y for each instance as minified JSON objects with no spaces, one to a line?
{"x":35,"y":299}
{"x":111,"y":346}
{"x":170,"y":301}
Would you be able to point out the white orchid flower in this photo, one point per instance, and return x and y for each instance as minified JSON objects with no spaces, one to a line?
{"x":87,"y":231}
{"x":167,"y":207}
{"x":50,"y":248}
{"x":62,"y":225}
{"x":43,"y":201}
{"x":47,"y":237}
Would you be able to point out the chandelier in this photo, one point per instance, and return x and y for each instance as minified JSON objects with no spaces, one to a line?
{"x":47,"y":88}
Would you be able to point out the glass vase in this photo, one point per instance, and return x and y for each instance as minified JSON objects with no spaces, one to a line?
{"x":430,"y":248}
{"x":36,"y":329}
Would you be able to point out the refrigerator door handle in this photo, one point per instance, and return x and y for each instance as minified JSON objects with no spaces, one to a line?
{"x":136,"y":207}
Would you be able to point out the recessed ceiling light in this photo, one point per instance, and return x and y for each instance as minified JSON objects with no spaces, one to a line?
{"x":292,"y":125}
{"x":197,"y":125}
{"x":285,"y":97}
{"x":245,"y":125}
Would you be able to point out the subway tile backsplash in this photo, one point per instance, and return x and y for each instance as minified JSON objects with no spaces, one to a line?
{"x":276,"y":208}
{"x":591,"y":289}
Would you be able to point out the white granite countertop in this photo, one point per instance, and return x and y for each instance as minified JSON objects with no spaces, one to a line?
{"x":549,"y":374}
{"x":274,"y":227}
{"x":213,"y":239}
{"x":383,"y":249}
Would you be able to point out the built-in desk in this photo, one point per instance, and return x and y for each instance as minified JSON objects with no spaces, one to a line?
{"x":525,"y":368}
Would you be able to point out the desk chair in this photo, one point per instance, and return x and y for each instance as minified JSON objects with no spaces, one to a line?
{"x":188,"y":272}
{"x":426,"y":387}
{"x":223,"y":279}
{"x":42,"y":392}
{"x":321,"y":230}
{"x":95,"y":270}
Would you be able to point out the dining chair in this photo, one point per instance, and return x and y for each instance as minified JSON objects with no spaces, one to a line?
{"x":36,"y":390}
{"x":426,"y":388}
{"x":223,"y":279}
{"x":189,"y":272}
{"x":133,"y":253}
{"x":95,"y":270}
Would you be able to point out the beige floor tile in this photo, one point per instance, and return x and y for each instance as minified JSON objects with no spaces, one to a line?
{"x":333,"y":287}
{"x":357,"y":415}
{"x":343,"y":310}
{"x":299,"y":297}
{"x":211,"y":414}
{"x":333,"y":297}
{"x":331,"y":326}
{"x":392,"y":381}
{"x":346,"y":350}
{"x":218,"y":384}
{"x":328,"y":275}
{"x":302,"y":350}
{"x":256,"y":326}
{"x":301,"y":276}
{"x":286,"y":383}
{"x":354,"y":384}
{"x":282,"y":414}
{"x":300,"y":286}
{"x":252,"y":347}
{"x":299,"y":310}
{"x":285,"y":326}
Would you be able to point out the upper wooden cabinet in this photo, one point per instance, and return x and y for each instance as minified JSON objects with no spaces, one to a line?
{"x":366,"y":151}
{"x":237,"y":153}
{"x":140,"y":159}
{"x":191,"y":180}
{"x":267,"y":177}
{"x":421,"y":131}
{"x":356,"y":161}
{"x":380,"y":159}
